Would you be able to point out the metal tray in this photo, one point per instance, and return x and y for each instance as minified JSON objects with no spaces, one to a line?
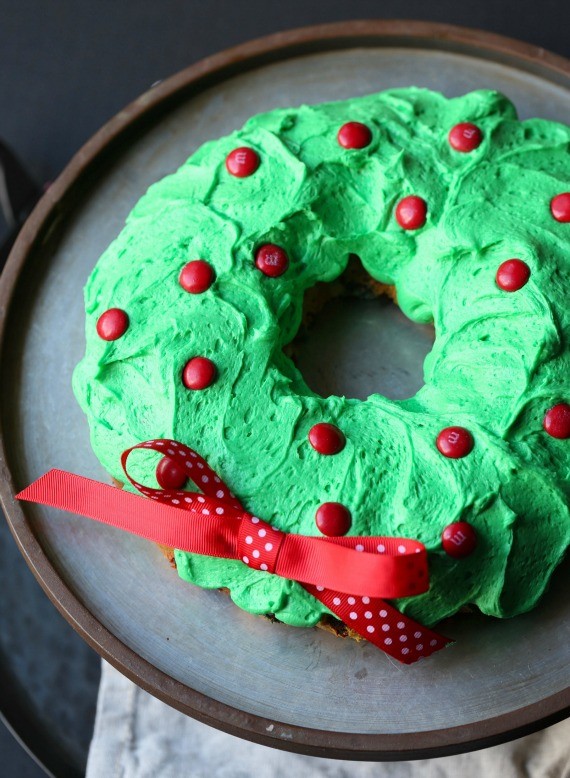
{"x":301,"y":690}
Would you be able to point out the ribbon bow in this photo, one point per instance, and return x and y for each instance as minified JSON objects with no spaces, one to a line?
{"x":350,"y":575}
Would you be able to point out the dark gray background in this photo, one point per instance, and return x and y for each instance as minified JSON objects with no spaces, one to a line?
{"x":66,"y":67}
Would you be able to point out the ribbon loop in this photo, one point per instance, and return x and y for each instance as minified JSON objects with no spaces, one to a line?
{"x":196,"y":469}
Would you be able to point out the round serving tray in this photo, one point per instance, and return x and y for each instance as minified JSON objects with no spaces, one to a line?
{"x":302,"y":690}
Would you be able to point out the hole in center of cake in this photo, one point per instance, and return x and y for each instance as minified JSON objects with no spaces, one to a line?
{"x":354,"y":341}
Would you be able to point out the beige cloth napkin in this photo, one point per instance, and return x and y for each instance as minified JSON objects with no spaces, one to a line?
{"x":137,"y":736}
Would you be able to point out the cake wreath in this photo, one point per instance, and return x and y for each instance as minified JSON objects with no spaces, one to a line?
{"x":460,"y":207}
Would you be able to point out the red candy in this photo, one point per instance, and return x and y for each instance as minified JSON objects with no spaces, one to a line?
{"x":272,"y":260}
{"x":557,"y":421}
{"x":333,"y":519}
{"x":196,"y":277}
{"x":112,"y":324}
{"x":454,"y":442}
{"x":326,"y":438}
{"x":199,"y":373}
{"x":411,"y":212}
{"x":465,"y":137}
{"x":242,"y":162}
{"x":512,"y":275}
{"x":354,"y":135}
{"x":560,"y":207}
{"x":459,"y":539}
{"x":170,"y":475}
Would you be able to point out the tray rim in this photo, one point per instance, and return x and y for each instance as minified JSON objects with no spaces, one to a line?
{"x":47,"y":217}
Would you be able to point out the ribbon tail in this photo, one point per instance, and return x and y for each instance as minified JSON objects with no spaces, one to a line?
{"x":158,"y":522}
{"x":324,"y":562}
{"x":383,"y":625}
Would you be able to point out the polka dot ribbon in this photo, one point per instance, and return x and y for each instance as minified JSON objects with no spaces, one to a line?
{"x":350,"y":575}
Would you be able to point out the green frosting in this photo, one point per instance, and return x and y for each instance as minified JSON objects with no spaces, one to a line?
{"x":499,"y":362}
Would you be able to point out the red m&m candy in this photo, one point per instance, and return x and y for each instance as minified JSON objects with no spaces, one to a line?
{"x":465,"y":137}
{"x":170,"y":475}
{"x":199,"y":373}
{"x":326,"y":438}
{"x":272,"y":260}
{"x":560,"y":207}
{"x":354,"y":135}
{"x":459,"y":539}
{"x":333,"y":519}
{"x":411,"y":212}
{"x":112,"y":324}
{"x":557,"y":421}
{"x":454,"y":442}
{"x":196,"y":276}
{"x":512,"y":275}
{"x":242,"y":162}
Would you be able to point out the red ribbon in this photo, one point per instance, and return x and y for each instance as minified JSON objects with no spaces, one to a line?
{"x":350,"y":575}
